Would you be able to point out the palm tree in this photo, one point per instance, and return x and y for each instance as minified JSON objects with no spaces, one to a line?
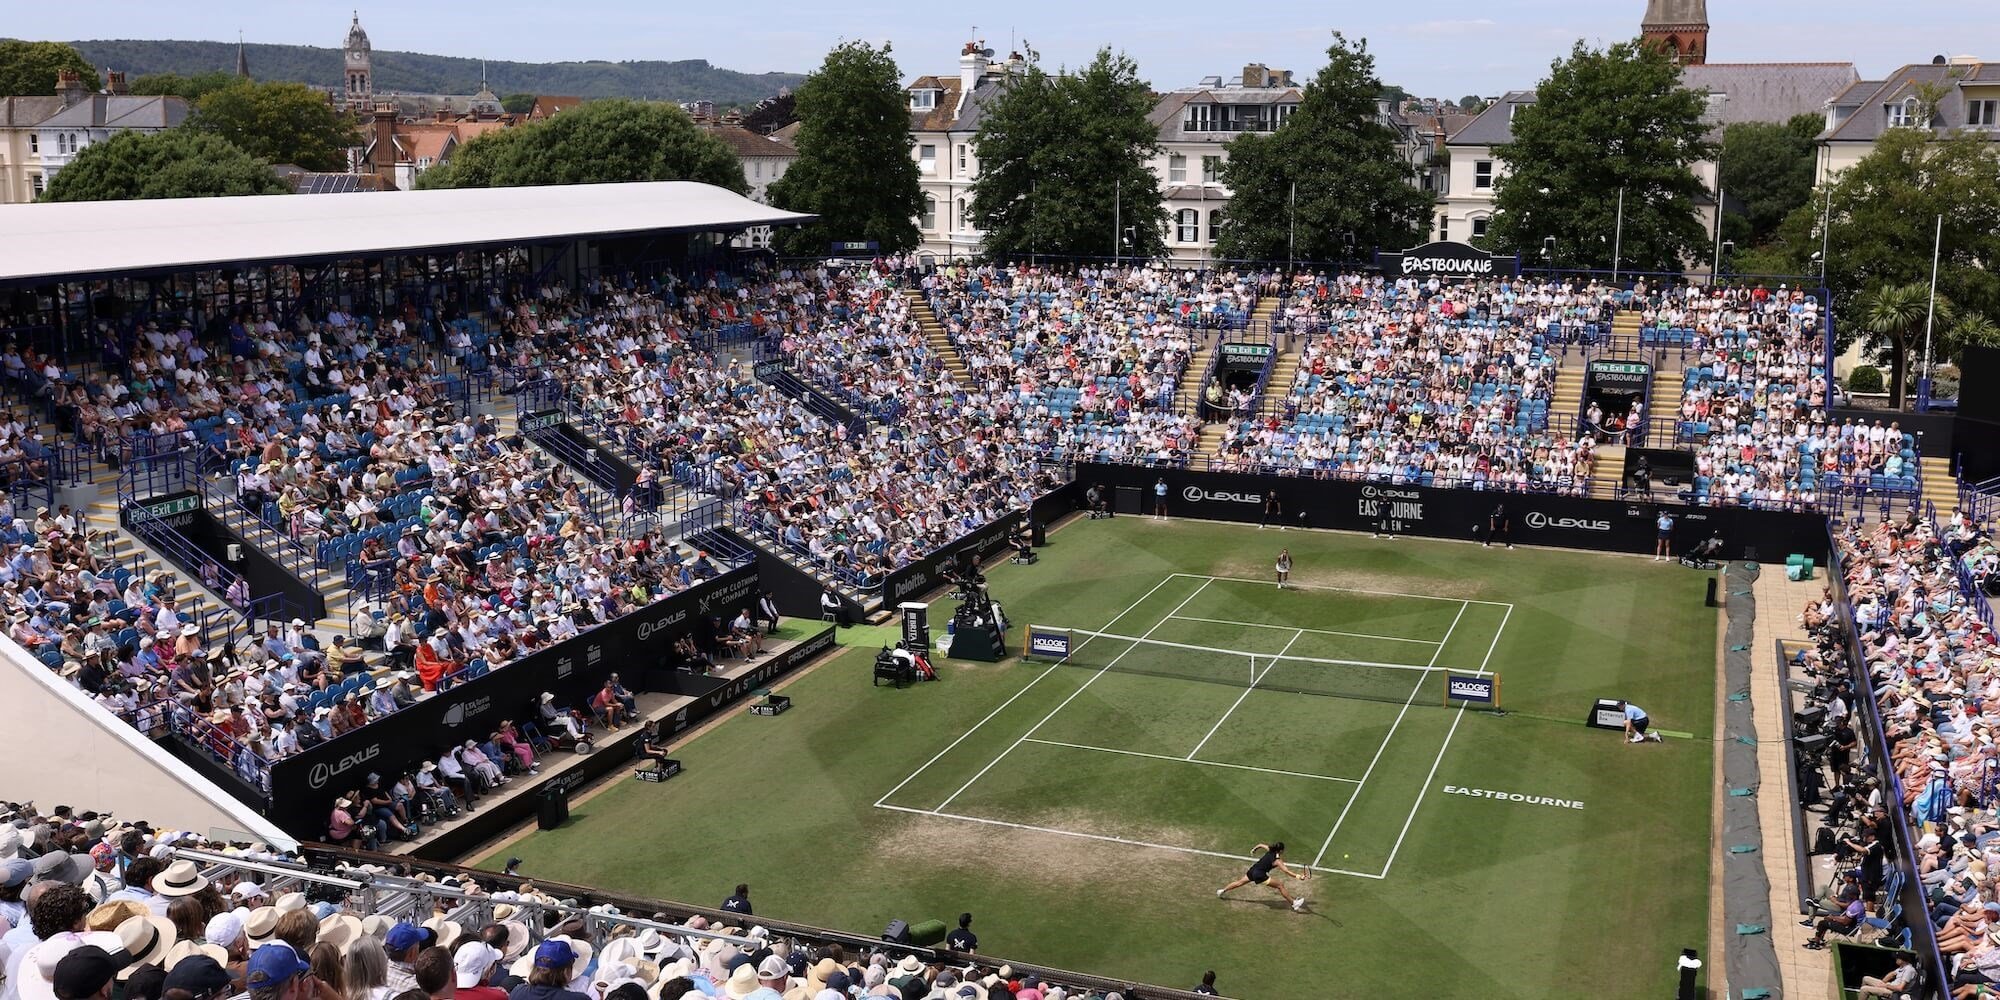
{"x":1895,"y":315}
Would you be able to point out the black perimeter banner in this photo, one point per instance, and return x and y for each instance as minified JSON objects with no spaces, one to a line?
{"x":1536,"y":518}
{"x":303,"y":787}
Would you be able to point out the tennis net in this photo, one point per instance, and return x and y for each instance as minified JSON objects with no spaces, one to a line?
{"x":1362,"y":680}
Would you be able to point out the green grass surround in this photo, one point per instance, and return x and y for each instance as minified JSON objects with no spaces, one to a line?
{"x":1484,"y":897}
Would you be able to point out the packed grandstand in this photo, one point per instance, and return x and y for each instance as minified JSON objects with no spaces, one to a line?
{"x":919,"y":403}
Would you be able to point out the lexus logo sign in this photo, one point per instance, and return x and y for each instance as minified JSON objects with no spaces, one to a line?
{"x":1538,"y":520}
{"x":1195,"y":494}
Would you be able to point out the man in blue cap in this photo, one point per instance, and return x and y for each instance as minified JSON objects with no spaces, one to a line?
{"x":276,"y":972}
{"x":549,"y":980}
{"x":402,"y":943}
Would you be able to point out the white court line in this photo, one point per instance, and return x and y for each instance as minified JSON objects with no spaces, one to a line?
{"x":1190,"y":760}
{"x":1106,"y":838}
{"x":1072,"y":696}
{"x":1344,"y":590}
{"x":1024,"y":690}
{"x":1315,"y":631}
{"x":1414,"y":688}
{"x":1254,"y":678}
{"x":1441,"y":750}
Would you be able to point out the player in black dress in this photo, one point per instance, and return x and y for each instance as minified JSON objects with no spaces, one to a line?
{"x":1271,"y":857}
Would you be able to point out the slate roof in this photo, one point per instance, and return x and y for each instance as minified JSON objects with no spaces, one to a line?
{"x":1868,"y":101}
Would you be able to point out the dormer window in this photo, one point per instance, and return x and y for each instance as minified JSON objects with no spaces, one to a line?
{"x":923,"y":100}
{"x":1903,"y":114}
{"x":1201,"y":118}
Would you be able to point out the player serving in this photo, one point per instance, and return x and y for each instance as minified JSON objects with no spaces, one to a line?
{"x":1271,"y":857}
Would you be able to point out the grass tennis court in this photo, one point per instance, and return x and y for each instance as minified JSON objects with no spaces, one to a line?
{"x":1086,"y":812}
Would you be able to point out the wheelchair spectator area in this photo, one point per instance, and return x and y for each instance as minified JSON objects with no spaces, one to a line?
{"x":172,"y":910}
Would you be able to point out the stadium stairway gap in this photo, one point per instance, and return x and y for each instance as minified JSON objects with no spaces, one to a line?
{"x":935,"y":336}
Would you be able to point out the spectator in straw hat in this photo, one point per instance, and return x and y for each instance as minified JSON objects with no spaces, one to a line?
{"x":147,"y":939}
{"x":180,"y":879}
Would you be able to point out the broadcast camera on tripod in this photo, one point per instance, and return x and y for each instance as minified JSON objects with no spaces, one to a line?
{"x":1705,"y":555}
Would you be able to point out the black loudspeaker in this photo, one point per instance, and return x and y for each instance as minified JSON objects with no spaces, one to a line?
{"x":554,"y":807}
{"x":1711,"y":601}
{"x":898,"y":932}
{"x":1038,"y":533}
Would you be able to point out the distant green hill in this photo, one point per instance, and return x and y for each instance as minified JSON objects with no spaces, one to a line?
{"x":420,"y":73}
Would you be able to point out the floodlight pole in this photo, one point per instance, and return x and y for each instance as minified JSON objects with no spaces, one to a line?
{"x":1618,"y":237}
{"x":1930,"y":313}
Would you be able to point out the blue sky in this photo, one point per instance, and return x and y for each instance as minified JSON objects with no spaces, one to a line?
{"x":1440,"y":50}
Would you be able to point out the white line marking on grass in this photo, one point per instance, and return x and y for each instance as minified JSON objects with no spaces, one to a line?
{"x":1344,"y":590}
{"x":1254,"y":678}
{"x":1315,"y":631}
{"x":1414,"y":688}
{"x":1106,"y":838}
{"x":1453,"y":731}
{"x":1190,"y":760}
{"x":1072,"y":696}
{"x":1024,"y":690}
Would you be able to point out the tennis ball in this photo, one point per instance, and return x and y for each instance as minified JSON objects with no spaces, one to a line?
{"x":1347,"y":855}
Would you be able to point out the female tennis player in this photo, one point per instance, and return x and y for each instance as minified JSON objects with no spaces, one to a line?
{"x":1271,"y":857}
{"x":1284,"y":567}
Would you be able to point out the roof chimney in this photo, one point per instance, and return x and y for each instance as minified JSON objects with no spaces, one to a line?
{"x":1256,"y":75}
{"x":972,"y":63}
{"x":69,"y":86}
{"x":114,"y":83}
{"x":383,"y":158}
{"x":443,"y":115}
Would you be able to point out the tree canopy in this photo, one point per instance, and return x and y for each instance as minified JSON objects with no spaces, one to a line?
{"x":1605,"y":120}
{"x":598,"y":142}
{"x":1353,"y":188}
{"x":278,"y":122}
{"x":1768,"y":168}
{"x":176,"y":163}
{"x":1886,"y":211}
{"x":1064,"y":163}
{"x":517,"y":104}
{"x":854,"y":169}
{"x":193,"y":88}
{"x":29,"y":69}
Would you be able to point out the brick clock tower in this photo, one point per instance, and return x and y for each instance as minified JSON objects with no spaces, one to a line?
{"x":1680,"y":27}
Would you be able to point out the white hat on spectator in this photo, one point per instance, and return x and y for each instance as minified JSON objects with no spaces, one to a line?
{"x":473,"y":960}
{"x":224,"y":929}
{"x":447,"y":930}
{"x":290,"y":901}
{"x":147,"y":939}
{"x":246,"y":891}
{"x":376,"y":925}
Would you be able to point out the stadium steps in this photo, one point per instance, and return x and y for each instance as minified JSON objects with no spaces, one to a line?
{"x":1663,"y":401}
{"x":1939,"y":485}
{"x":1607,"y":468}
{"x":1568,"y":392}
{"x":934,"y":335}
{"x":1188,"y":393}
{"x":1265,"y":312}
{"x":126,"y":550}
{"x":1283,"y":373}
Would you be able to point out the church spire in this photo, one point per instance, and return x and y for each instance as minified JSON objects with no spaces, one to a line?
{"x":242,"y":59}
{"x":1680,"y":27}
